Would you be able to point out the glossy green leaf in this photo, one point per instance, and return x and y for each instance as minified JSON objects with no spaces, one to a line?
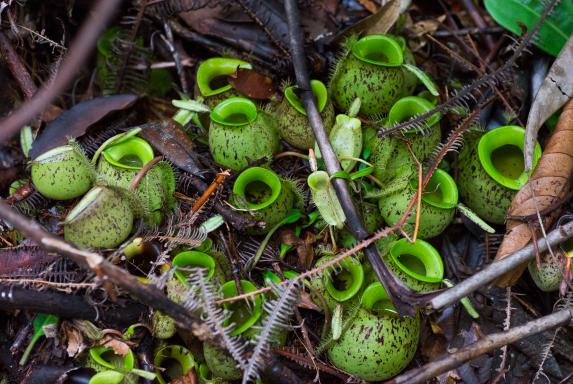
{"x":424,"y":78}
{"x":554,"y":31}
{"x":361,"y":173}
{"x":340,"y":175}
{"x":26,"y":139}
{"x":107,"y":377}
{"x":40,"y":321}
{"x":464,"y":210}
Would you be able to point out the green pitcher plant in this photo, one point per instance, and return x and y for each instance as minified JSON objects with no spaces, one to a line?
{"x":293,"y":124}
{"x":379,"y":343}
{"x":62,"y":173}
{"x":240,"y":132}
{"x":262,"y":193}
{"x":491,"y":170}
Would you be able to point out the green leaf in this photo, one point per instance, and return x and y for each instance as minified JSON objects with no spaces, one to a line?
{"x":424,"y":78}
{"x":464,"y":210}
{"x":465,"y":301}
{"x":107,"y":377}
{"x":340,"y":175}
{"x":553,"y":33}
{"x":190,"y":105}
{"x":362,"y":173}
{"x":40,"y":321}
{"x":26,"y":139}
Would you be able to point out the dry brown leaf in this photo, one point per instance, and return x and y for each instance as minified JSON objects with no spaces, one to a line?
{"x":252,"y":84}
{"x":74,"y":339}
{"x":119,"y":347}
{"x":380,"y":22}
{"x":369,"y":5}
{"x":548,"y":184}
{"x":556,"y":89}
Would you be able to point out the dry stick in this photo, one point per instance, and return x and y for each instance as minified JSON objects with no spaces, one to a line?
{"x":478,"y":20}
{"x":142,"y":172}
{"x":498,"y":268}
{"x":488,"y":343}
{"x":17,"y":67}
{"x":399,"y":293}
{"x":79,"y":51}
{"x":209,"y":191}
{"x":147,"y":294}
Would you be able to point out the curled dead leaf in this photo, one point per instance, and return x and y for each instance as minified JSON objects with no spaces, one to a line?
{"x":73,"y":339}
{"x":543,"y":193}
{"x":556,"y":89}
{"x":120,"y":347}
{"x":252,"y":84}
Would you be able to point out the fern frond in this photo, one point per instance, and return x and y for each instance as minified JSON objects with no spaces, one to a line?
{"x":215,"y":316}
{"x":248,"y":251}
{"x":278,"y":314}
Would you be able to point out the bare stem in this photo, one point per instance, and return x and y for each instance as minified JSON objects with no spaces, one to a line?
{"x":396,"y":289}
{"x":498,"y":268}
{"x":488,"y":343}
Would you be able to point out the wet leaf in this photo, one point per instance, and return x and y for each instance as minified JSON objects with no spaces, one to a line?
{"x":75,"y":121}
{"x":555,"y":91}
{"x":173,"y":143}
{"x":548,"y":184}
{"x":252,"y":84}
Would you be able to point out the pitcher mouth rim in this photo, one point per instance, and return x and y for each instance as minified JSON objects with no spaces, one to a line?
{"x":366,"y":40}
{"x":427,"y":247}
{"x":496,"y":138}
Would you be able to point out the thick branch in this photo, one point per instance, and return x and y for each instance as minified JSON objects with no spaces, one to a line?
{"x":399,"y":293}
{"x":79,"y":51}
{"x":147,"y":294}
{"x":498,"y":268}
{"x":488,"y":343}
{"x":67,"y":306}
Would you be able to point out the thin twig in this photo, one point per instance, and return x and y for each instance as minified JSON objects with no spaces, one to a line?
{"x":488,"y":343}
{"x":478,"y":20}
{"x":209,"y":191}
{"x":466,"y":31}
{"x":142,"y":172}
{"x":78,"y":53}
{"x":499,"y":267}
